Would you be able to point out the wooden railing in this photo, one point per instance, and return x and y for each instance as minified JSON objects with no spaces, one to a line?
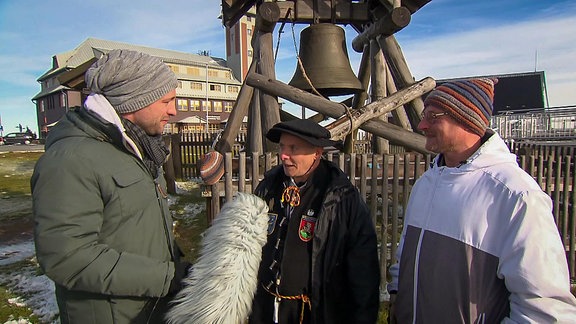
{"x":387,"y":196}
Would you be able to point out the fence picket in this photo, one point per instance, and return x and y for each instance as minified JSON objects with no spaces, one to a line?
{"x":385,"y":182}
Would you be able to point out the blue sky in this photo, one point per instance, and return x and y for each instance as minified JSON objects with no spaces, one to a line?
{"x":445,"y":39}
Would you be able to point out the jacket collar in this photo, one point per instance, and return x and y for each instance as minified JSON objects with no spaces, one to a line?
{"x":99,"y":105}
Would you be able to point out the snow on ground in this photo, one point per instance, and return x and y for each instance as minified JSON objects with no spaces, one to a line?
{"x":37,"y":291}
{"x":33,"y":290}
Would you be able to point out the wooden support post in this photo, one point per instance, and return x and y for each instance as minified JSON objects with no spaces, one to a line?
{"x":266,"y":18}
{"x":169,"y":166}
{"x":402,"y":76}
{"x":176,"y":156}
{"x":254,"y":139}
{"x":359,"y":99}
{"x":378,"y":76}
{"x":400,"y":118}
{"x":239,"y":111}
{"x":391,"y":132}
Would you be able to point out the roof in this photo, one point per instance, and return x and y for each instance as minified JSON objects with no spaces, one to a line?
{"x":515,"y":91}
{"x":69,"y":67}
{"x":94,"y":48}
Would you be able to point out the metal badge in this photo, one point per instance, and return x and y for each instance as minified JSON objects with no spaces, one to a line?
{"x":272,"y":222}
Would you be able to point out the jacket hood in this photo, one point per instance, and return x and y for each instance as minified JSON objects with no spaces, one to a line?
{"x":76,"y":123}
{"x":97,"y":119}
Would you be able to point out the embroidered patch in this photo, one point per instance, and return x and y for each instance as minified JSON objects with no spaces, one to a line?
{"x":306,"y":229}
{"x":272,"y":222}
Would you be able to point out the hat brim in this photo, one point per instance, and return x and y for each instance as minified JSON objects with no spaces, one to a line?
{"x":275,"y":133}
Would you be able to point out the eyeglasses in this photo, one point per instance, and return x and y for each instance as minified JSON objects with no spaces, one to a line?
{"x":431,"y":117}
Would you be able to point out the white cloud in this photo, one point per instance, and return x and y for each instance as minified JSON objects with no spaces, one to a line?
{"x":544,"y":45}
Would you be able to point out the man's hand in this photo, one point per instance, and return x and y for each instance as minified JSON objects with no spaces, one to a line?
{"x":180,"y":271}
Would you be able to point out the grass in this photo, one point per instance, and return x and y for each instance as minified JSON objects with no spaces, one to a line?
{"x":188,"y":231}
{"x":10,"y":311}
{"x":15,"y":171}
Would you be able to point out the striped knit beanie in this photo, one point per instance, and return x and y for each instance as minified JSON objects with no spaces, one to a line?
{"x":211,"y":167}
{"x":130,"y":80}
{"x":470,"y":102}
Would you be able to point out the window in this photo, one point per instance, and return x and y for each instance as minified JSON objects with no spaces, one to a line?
{"x":250,"y":52}
{"x":182,"y":104}
{"x":174,"y":68}
{"x":212,"y":73}
{"x":179,"y":84}
{"x":63,"y":102}
{"x":218,"y":106}
{"x":228,"y":75}
{"x":249,"y":31}
{"x":216,"y":87}
{"x":228,"y":106}
{"x":213,"y":127}
{"x":194,"y":105}
{"x":206,"y":105}
{"x":41,"y":105}
{"x":233,"y":89}
{"x":193,"y":71}
{"x":196,"y":86}
{"x":50,"y":102}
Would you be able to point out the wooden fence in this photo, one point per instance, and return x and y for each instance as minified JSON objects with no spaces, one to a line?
{"x":552,"y":167}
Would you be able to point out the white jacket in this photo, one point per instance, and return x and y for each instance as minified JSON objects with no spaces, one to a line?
{"x":479,"y":245}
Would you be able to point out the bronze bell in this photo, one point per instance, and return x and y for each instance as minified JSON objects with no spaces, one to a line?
{"x":325,"y":59}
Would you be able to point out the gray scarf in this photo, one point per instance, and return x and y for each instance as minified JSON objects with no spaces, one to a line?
{"x":153,"y":148}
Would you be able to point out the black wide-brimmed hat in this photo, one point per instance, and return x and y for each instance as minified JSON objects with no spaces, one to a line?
{"x":306,"y":129}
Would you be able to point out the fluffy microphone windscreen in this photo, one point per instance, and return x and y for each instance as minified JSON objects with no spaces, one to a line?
{"x":221,"y":284}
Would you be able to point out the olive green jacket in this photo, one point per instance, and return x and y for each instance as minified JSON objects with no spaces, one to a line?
{"x":103,"y":231}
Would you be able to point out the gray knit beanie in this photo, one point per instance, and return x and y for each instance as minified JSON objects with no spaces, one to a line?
{"x":130,"y":80}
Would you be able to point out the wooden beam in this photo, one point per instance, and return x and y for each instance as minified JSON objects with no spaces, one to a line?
{"x":266,"y":18}
{"x":400,"y":118}
{"x":388,"y":25}
{"x":341,"y":127}
{"x":402,"y":75}
{"x":343,"y":11}
{"x":378,"y":77}
{"x":239,"y":111}
{"x":359,"y":99}
{"x":301,"y":11}
{"x":395,"y":134}
{"x":232,"y":13}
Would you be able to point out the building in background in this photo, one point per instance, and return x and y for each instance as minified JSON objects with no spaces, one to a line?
{"x":239,"y":52}
{"x":207,"y":87}
{"x":516,"y":92}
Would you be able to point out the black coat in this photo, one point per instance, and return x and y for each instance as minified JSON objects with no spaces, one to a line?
{"x":345,"y":268}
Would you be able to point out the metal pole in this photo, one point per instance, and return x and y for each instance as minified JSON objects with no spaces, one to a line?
{"x":207,"y":102}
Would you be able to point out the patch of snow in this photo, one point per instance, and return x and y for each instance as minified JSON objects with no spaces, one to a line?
{"x":11,"y":320}
{"x":37,"y":291}
{"x":34,"y":291}
{"x":187,"y":186}
{"x":16,"y":301}
{"x":17,"y":252}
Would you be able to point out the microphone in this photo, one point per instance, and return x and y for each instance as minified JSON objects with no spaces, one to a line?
{"x":221,"y":285}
